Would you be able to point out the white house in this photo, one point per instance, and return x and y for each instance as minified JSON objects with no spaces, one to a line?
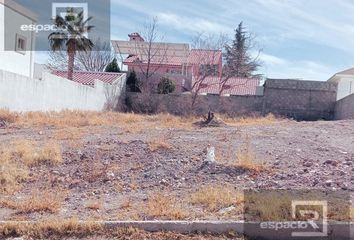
{"x":345,"y":81}
{"x":16,"y":46}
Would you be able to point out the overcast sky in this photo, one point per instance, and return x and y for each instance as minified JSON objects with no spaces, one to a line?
{"x":300,"y":38}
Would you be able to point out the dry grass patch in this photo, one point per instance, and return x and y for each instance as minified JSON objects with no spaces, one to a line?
{"x":171,"y":121}
{"x":163,"y":207}
{"x":126,"y":204}
{"x":51,"y":227}
{"x":276,"y":205}
{"x":8,"y":117}
{"x":94,"y":205}
{"x":72,"y":133}
{"x":39,"y":201}
{"x":128,"y":121}
{"x":246,"y":159}
{"x":76,"y":229}
{"x":134,"y":123}
{"x":217,"y":197}
{"x":268,"y":206}
{"x":72,"y":136}
{"x":50,"y":153}
{"x":251,"y":121}
{"x":11,"y":174}
{"x":30,"y":153}
{"x":56,"y":119}
{"x":156,"y":144}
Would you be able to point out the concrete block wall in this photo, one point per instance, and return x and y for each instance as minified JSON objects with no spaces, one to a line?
{"x":345,"y":108}
{"x":52,"y":93}
{"x":181,"y":104}
{"x":302,"y":100}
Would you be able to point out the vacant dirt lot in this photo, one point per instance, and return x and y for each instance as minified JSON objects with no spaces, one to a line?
{"x":107,"y":166}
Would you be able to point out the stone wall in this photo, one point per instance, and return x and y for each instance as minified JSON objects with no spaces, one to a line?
{"x":301,"y":100}
{"x":345,"y":108}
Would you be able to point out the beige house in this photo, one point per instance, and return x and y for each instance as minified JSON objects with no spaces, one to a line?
{"x":16,"y":46}
{"x":345,"y":81}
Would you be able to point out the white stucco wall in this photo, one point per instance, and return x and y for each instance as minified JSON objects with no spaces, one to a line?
{"x":21,"y":93}
{"x":10,"y":60}
{"x":345,"y":87}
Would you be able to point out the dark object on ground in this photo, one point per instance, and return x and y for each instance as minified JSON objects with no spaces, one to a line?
{"x":3,"y":124}
{"x":211,"y":121}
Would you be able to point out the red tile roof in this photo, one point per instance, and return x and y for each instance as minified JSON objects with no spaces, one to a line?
{"x":202,"y":56}
{"x":347,"y":72}
{"x":158,"y":60}
{"x":233,"y":86}
{"x":196,"y":56}
{"x":88,"y":78}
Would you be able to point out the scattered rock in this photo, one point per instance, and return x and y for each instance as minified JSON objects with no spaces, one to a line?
{"x":226,"y":210}
{"x":344,"y":186}
{"x":277,"y":163}
{"x":331,"y":162}
{"x":210,"y":154}
{"x":82,"y":155}
{"x":164,"y":182}
{"x":343,"y":152}
{"x":110,"y":175}
{"x":328,"y":183}
{"x":3,"y":124}
{"x":308,"y":164}
{"x":315,"y":182}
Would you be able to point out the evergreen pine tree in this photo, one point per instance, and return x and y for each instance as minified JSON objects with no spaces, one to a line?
{"x":239,"y":62}
{"x":113,"y":66}
{"x":133,"y":83}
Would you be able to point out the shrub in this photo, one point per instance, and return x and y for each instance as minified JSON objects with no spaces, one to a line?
{"x":113,"y":66}
{"x":166,"y":86}
{"x":133,"y":83}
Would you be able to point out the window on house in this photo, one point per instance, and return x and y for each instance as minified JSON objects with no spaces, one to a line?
{"x":175,"y":71}
{"x":21,"y":44}
{"x":209,"y":69}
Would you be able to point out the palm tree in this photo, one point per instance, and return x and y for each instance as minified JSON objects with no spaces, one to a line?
{"x":70,"y":35}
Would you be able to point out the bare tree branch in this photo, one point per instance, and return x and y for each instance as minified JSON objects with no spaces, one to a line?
{"x":207,"y":61}
{"x":151,"y":54}
{"x":94,"y":61}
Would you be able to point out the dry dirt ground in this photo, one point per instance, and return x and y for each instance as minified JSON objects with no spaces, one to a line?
{"x":93,"y":166}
